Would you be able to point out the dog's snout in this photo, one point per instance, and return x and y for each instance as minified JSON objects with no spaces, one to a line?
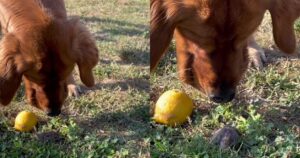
{"x":223,"y":96}
{"x":53,"y":113}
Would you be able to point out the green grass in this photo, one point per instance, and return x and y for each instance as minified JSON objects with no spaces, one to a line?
{"x":112,"y":119}
{"x":297,"y":26}
{"x":266,"y":110}
{"x":109,"y":120}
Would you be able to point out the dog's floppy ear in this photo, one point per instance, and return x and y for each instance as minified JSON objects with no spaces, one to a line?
{"x":85,"y":51}
{"x":12,"y":66}
{"x":161,"y":31}
{"x":284,"y":13}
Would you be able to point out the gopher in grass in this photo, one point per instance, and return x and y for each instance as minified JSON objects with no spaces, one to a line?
{"x":226,"y":137}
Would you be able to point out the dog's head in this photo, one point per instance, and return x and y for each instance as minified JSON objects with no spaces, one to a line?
{"x":45,"y":61}
{"x":212,"y":37}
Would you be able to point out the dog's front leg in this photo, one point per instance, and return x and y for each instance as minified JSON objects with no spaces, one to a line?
{"x":256,"y":54}
{"x":73,"y":88}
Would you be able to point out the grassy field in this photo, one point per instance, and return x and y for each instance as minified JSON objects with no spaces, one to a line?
{"x":113,"y":120}
{"x":266,"y":110}
{"x":109,"y":120}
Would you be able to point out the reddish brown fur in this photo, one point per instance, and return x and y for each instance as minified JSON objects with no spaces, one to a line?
{"x":43,"y":46}
{"x":212,"y":36}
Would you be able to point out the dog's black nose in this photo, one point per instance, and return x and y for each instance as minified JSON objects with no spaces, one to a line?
{"x":223,"y":96}
{"x":53,"y":113}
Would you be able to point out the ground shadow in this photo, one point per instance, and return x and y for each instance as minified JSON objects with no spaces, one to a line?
{"x":135,"y":56}
{"x":133,"y":83}
{"x":120,"y":28}
{"x":138,"y":57}
{"x":283,"y":116}
{"x":132,"y":124}
{"x":130,"y":55}
{"x":273,"y":56}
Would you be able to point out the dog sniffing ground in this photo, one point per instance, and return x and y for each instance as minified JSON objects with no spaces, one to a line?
{"x":265,"y":111}
{"x":110,"y":119}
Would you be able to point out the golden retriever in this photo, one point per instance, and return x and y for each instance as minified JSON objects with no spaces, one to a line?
{"x":41,"y":45}
{"x":212,"y":38}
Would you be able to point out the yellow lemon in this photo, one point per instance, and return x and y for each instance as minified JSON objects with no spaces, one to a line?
{"x":25,"y":121}
{"x":173,"y":108}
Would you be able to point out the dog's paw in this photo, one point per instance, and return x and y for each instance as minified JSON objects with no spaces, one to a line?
{"x":257,"y":57}
{"x":74,"y":90}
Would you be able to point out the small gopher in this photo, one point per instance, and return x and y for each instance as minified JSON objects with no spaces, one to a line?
{"x":225,"y":137}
